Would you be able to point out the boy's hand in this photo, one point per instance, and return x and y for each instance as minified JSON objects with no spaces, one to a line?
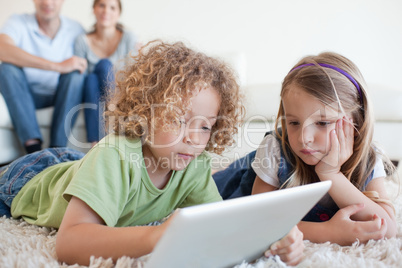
{"x":290,"y":248}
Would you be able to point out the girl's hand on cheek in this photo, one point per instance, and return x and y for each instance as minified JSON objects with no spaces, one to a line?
{"x":342,"y":139}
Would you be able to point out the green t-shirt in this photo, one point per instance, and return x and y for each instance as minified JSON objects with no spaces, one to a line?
{"x":112,"y":179}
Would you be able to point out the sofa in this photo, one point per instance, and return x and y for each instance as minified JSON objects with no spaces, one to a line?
{"x":11,"y":147}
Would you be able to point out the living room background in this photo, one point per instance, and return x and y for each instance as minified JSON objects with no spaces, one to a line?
{"x":269,"y":35}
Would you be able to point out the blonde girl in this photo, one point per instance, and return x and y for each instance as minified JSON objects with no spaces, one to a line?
{"x":324,"y":131}
{"x":170,"y":106}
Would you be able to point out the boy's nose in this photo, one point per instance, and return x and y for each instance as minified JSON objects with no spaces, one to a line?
{"x":191,"y":136}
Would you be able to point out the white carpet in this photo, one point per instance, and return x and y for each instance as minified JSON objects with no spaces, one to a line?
{"x":24,"y":245}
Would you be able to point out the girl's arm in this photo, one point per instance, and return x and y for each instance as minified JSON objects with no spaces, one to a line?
{"x":261,"y":186}
{"x":342,"y":230}
{"x":83,"y":233}
{"x":342,"y":191}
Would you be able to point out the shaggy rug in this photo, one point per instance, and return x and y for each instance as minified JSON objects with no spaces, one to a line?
{"x":25,"y":245}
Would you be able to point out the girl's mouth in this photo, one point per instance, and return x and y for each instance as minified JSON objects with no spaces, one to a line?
{"x":308,"y":151}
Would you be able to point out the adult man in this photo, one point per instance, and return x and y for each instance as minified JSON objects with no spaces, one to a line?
{"x":39,"y":70}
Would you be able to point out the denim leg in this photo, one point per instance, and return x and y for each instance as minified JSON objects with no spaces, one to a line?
{"x":96,"y":85}
{"x":91,"y":112}
{"x":4,"y":210}
{"x":20,"y":102}
{"x":104,"y":72}
{"x":69,"y":96}
{"x":15,"y":175}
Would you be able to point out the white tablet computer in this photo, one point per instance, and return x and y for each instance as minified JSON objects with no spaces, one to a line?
{"x":223,"y":234}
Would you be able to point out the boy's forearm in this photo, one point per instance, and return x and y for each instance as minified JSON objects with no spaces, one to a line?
{"x":78,"y":243}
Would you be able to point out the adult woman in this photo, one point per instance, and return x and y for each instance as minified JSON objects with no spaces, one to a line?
{"x":104,"y":46}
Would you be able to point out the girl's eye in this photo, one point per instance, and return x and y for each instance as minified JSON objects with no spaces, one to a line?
{"x":323,"y":123}
{"x":206,"y":129}
{"x":293,"y":123}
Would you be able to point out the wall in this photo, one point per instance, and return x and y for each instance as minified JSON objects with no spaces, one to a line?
{"x":272,"y":35}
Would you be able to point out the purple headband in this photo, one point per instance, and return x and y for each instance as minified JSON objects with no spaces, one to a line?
{"x":336,"y":69}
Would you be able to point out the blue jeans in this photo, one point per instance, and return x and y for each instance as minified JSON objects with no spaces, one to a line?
{"x":95,"y":86}
{"x":15,"y":175}
{"x":22,"y":103}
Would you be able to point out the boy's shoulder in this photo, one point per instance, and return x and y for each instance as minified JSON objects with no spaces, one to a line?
{"x":121,"y":143}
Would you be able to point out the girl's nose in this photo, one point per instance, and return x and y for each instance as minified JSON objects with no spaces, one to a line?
{"x":307,"y":134}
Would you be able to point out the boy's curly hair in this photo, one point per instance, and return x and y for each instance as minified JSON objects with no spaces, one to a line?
{"x":157,"y":86}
